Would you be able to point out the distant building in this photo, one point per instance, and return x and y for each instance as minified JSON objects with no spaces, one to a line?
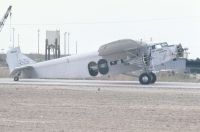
{"x":181,"y":65}
{"x":193,"y":66}
{"x":178,"y":65}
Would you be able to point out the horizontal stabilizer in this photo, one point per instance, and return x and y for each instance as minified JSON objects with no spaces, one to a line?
{"x":19,"y":69}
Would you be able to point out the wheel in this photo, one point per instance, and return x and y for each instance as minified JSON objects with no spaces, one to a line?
{"x":144,"y":78}
{"x":16,"y":78}
{"x":153,"y":77}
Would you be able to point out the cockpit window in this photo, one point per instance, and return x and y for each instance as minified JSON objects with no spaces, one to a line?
{"x":159,"y":45}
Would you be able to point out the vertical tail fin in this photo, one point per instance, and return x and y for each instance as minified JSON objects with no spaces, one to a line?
{"x":16,"y":59}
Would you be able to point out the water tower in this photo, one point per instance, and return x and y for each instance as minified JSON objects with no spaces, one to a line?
{"x":52,"y":45}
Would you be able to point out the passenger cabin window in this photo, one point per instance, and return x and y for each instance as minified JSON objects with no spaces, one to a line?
{"x":116,"y":62}
{"x":93,"y":68}
{"x":103,"y":66}
{"x":113,"y":62}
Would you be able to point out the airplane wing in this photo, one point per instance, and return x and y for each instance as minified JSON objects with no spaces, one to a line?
{"x":120,"y":46}
{"x":128,"y":50}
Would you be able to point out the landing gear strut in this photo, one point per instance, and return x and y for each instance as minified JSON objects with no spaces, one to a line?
{"x":147,"y":78}
{"x":16,"y":77}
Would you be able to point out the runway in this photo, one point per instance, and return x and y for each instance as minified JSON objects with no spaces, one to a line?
{"x":98,"y":105}
{"x":111,"y":85}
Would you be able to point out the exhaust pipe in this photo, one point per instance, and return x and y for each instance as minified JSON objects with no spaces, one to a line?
{"x":180,"y":51}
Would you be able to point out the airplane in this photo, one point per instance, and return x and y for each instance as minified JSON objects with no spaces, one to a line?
{"x":117,"y":57}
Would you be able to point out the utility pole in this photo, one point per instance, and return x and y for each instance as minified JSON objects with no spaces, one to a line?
{"x":68,"y":42}
{"x":151,"y":39}
{"x":10,"y":30}
{"x":76,"y":47}
{"x":18,"y":39}
{"x":13,"y":37}
{"x":65,"y":43}
{"x":38,"y":41}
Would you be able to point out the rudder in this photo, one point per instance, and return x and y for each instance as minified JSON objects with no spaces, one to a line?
{"x":16,"y":59}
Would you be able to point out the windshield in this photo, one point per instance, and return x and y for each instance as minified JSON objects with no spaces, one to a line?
{"x":159,"y":45}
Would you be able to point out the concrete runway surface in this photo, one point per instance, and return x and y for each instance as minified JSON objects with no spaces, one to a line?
{"x":124,"y":85}
{"x":54,"y":105}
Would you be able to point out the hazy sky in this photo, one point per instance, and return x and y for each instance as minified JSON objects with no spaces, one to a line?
{"x":95,"y":22}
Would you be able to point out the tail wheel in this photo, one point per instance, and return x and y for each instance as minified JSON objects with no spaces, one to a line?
{"x":145,"y":78}
{"x":153,"y":77}
{"x":16,"y":78}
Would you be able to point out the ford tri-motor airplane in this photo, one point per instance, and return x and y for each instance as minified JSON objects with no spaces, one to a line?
{"x":118,"y":57}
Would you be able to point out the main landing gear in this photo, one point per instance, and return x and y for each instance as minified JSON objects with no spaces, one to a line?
{"x":16,"y":77}
{"x":147,"y":78}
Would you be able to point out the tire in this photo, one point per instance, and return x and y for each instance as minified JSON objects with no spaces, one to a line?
{"x":153,"y":77}
{"x":16,"y":78}
{"x":144,"y":79}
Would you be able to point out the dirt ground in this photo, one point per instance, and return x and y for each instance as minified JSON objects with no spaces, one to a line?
{"x":4,"y":72}
{"x":56,"y":109}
